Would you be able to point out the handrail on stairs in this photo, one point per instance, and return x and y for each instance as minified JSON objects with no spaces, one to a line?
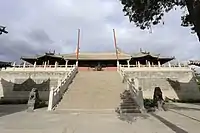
{"x":136,"y":92}
{"x":133,"y":86}
{"x":55,"y":94}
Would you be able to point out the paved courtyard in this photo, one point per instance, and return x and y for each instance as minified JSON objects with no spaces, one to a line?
{"x":184,"y":118}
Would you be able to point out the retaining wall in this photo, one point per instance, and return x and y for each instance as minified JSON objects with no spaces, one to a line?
{"x":178,"y":84}
{"x":16,"y":86}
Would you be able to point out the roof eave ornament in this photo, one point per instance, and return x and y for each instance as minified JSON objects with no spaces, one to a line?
{"x":144,"y":52}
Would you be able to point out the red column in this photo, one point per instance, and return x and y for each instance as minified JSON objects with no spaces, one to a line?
{"x":78,"y":45}
{"x":115,"y":42}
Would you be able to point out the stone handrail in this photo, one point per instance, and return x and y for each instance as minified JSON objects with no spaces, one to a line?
{"x":56,"y":94}
{"x":136,"y":92}
{"x":150,"y":68}
{"x":133,"y":86}
{"x":158,"y":66}
{"x":120,"y":70}
{"x":38,"y":68}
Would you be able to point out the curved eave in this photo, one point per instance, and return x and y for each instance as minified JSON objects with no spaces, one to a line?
{"x":28,"y":58}
{"x":51,"y":56}
{"x":196,"y":63}
{"x":5,"y":64}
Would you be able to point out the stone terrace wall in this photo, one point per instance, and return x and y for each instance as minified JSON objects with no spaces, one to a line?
{"x":17,"y":85}
{"x":178,"y":84}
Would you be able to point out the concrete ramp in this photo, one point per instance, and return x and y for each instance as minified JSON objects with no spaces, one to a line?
{"x":93,"y":91}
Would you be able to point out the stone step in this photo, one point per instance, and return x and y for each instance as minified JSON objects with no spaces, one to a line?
{"x":130,"y":111}
{"x":128,"y":103}
{"x":129,"y":107}
{"x":93,"y":90}
{"x":128,"y":100}
{"x":83,"y":111}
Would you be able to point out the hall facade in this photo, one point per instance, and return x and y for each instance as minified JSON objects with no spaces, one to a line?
{"x":105,"y":60}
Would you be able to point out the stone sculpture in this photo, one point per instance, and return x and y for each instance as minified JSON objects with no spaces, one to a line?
{"x":33,"y":101}
{"x":98,"y":67}
{"x":158,"y":98}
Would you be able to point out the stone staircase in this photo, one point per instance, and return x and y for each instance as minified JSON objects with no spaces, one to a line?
{"x":127,"y":105}
{"x":93,"y":91}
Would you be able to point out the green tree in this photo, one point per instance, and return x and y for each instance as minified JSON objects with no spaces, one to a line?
{"x":145,"y":13}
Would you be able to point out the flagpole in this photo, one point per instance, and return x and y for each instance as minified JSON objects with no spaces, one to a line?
{"x":115,"y":43}
{"x":78,"y":47}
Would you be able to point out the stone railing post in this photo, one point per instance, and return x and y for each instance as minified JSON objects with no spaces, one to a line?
{"x":136,"y":83}
{"x":34,"y":66}
{"x":66,"y":63}
{"x":128,"y":63}
{"x":24,"y":65}
{"x":140,"y":100}
{"x":55,"y":66}
{"x":45,"y":64}
{"x":51,"y":99}
{"x":179,"y":64}
{"x":14,"y":66}
{"x":169,"y":64}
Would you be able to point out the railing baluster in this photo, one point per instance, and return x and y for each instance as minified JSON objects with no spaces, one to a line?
{"x":57,"y":93}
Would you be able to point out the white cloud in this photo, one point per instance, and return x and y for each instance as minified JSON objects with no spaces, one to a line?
{"x":37,"y":26}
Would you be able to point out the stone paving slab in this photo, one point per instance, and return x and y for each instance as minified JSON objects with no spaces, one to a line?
{"x":185,"y":124}
{"x":42,"y":121}
{"x":45,"y":122}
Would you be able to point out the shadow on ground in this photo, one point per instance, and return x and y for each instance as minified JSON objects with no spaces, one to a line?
{"x":11,"y":109}
{"x":8,"y":109}
{"x":169,"y":124}
{"x":175,"y":107}
{"x":132,"y":117}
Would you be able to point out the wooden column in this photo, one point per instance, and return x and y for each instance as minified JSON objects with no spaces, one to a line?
{"x":45,"y":64}
{"x":169,"y":64}
{"x":128,"y":63}
{"x":138,"y":63}
{"x":78,"y":48}
{"x":24,"y":65}
{"x":14,"y":66}
{"x":116,"y":49}
{"x":158,"y":63}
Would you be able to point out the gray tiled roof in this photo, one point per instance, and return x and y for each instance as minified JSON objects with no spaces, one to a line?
{"x":97,"y":56}
{"x":100,"y":56}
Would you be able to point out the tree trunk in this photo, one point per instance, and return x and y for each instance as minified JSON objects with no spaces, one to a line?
{"x":194,"y":12}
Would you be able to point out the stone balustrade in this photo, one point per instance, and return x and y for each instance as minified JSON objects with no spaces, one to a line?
{"x":136,"y":91}
{"x":176,"y":82}
{"x":56,"y":94}
{"x":39,"y":68}
{"x":149,"y":67}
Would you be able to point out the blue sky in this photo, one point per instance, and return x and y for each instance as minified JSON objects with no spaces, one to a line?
{"x":37,"y":26}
